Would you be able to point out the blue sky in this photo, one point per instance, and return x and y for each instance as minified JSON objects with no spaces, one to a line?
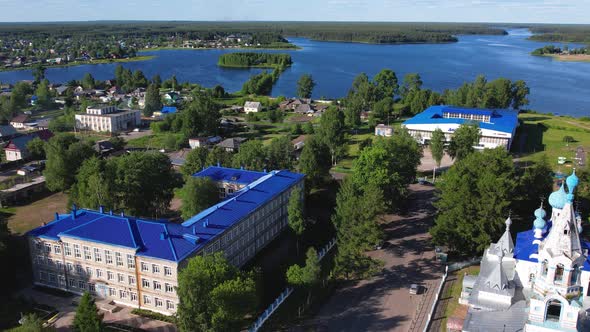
{"x":525,"y":11}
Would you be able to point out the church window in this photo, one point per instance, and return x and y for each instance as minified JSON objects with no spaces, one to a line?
{"x":553,"y":310}
{"x":544,"y":268}
{"x":558,"y":273}
{"x":575,"y":275}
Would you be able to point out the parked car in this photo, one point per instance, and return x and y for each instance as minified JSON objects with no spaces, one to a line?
{"x":414,"y":289}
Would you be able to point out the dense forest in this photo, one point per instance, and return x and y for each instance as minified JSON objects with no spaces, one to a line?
{"x":561,"y":33}
{"x":265,"y":60}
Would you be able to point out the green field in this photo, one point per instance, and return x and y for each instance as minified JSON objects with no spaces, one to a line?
{"x":542,"y":135}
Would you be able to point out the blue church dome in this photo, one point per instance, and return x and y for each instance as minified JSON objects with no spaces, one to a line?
{"x":572,"y":182}
{"x":540,"y":213}
{"x":558,"y":198}
{"x":539,"y":223}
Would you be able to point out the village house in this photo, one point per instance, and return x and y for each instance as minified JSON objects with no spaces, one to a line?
{"x":252,"y":107}
{"x":16,"y":149}
{"x":232,"y":144}
{"x":200,"y":142}
{"x":383,"y":130}
{"x":19,"y":121}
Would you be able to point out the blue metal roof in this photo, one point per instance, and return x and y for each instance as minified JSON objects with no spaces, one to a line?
{"x":524,"y":246}
{"x":223,"y":174}
{"x":245,"y":201}
{"x":161,"y":239}
{"x":168,"y":110}
{"x":501,"y":120}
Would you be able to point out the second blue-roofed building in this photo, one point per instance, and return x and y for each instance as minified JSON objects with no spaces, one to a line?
{"x":497,"y":127}
{"x":135,"y":262}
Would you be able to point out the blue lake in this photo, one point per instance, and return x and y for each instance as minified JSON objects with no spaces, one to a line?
{"x":557,"y":87}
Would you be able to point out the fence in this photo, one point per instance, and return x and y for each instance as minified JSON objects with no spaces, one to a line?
{"x":440,"y":287}
{"x":285,"y":294}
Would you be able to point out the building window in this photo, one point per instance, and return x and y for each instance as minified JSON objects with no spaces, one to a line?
{"x":87,"y":253}
{"x":110,"y":275}
{"x":169,"y":305}
{"x":145,"y":283}
{"x":42,"y":276}
{"x":158,"y":302}
{"x":81,"y":284}
{"x":558,"y":273}
{"x":144,"y":267}
{"x":77,"y":253}
{"x":155,"y":268}
{"x":39,"y":245}
{"x":157,"y":285}
{"x":91,"y":288}
{"x":119,"y":259}
{"x":147,"y":299}
{"x":67,"y":249}
{"x":130,"y":261}
{"x":123,"y":294}
{"x":57,"y":249}
{"x":133,"y":296}
{"x":120,"y":278}
{"x":70,"y":267}
{"x":97,"y":255}
{"x":72,"y":282}
{"x":47,"y":247}
{"x":89,"y":272}
{"x":544,"y":268}
{"x":167,"y":271}
{"x":98,"y":273}
{"x":169,"y":288}
{"x":575,"y":276}
{"x":108,"y":257}
{"x":58,"y":265}
{"x":79,"y":269}
{"x":112,"y":291}
{"x":131,"y":280}
{"x":62,"y":281}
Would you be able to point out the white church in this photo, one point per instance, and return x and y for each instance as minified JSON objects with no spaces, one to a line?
{"x":542,"y":283}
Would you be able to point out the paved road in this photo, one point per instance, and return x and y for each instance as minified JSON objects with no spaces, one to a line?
{"x":383,"y":303}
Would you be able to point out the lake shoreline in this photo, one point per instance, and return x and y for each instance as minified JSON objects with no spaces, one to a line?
{"x":567,"y":57}
{"x":157,"y":49}
{"x":82,"y":63}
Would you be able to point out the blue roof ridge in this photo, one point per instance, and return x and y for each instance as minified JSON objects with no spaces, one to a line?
{"x":169,"y":238}
{"x":81,"y":225}
{"x":198,"y":217}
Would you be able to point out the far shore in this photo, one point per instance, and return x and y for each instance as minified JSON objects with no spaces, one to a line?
{"x":218,"y":48}
{"x":81,"y":63}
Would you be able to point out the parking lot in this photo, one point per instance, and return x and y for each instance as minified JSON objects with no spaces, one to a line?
{"x":384,"y":303}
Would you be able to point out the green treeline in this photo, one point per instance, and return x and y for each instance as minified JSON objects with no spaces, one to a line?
{"x":561,"y":33}
{"x":552,"y":49}
{"x":261,"y":84}
{"x":243,"y":59}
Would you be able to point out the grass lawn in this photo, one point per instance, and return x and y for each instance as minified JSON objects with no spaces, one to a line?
{"x":24,"y":218}
{"x":154,"y":141}
{"x":542,"y":135}
{"x":454,"y":309}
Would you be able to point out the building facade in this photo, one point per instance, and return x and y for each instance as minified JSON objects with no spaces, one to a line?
{"x":135,"y":262}
{"x":252,"y":107}
{"x":542,"y":283}
{"x":108,"y":119}
{"x":497,"y":127}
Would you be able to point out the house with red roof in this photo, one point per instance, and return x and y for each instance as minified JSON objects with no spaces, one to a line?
{"x":16,"y":149}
